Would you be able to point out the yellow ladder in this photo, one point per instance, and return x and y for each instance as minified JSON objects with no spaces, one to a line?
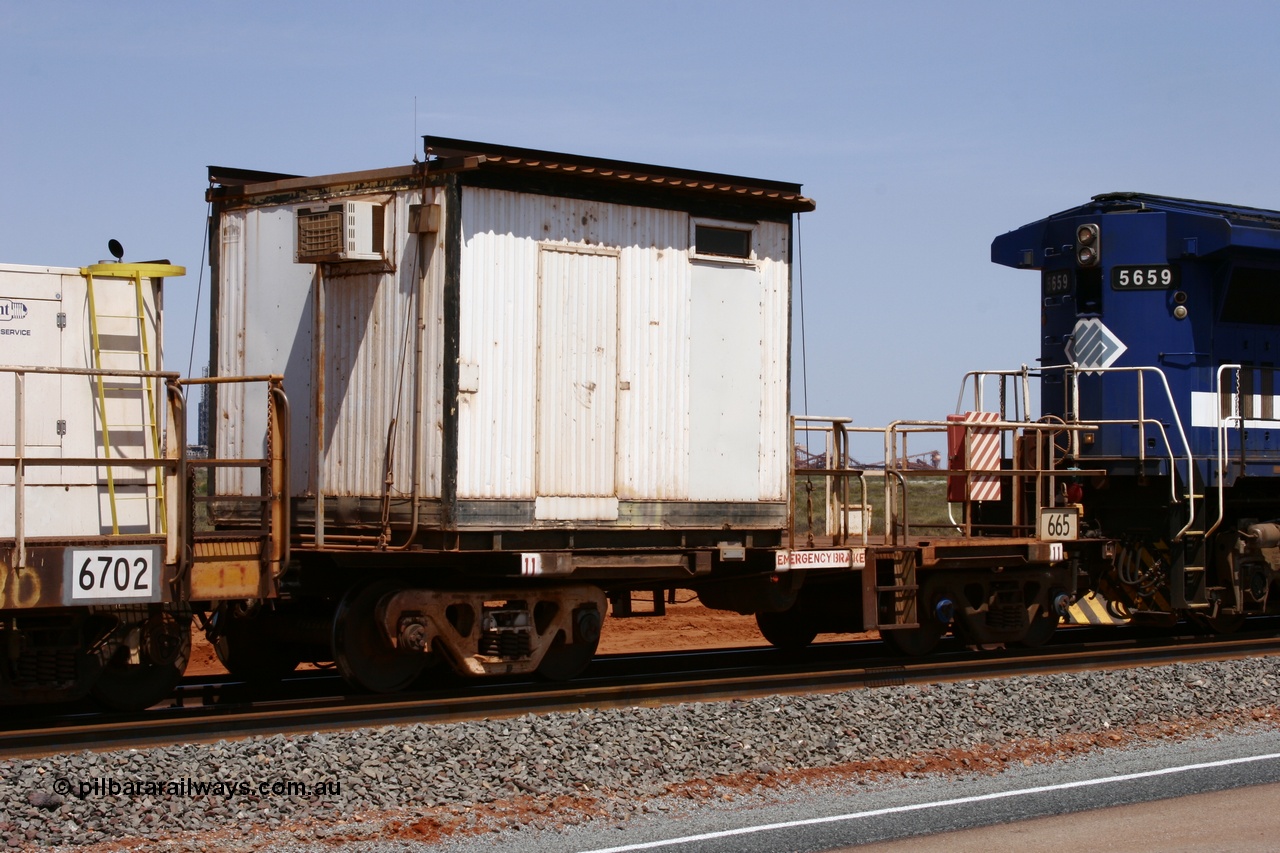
{"x":141,"y":363}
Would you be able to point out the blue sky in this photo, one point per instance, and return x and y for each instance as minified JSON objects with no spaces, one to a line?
{"x":922,"y":129}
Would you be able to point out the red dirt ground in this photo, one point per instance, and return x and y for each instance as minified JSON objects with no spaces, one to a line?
{"x":687,"y":626}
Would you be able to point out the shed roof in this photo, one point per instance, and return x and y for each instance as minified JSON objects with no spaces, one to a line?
{"x":758,"y":190}
{"x":445,"y":155}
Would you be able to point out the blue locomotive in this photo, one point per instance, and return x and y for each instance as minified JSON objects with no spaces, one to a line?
{"x":1161,"y":332}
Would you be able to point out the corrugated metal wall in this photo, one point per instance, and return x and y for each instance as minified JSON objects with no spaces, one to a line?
{"x":502,"y":233}
{"x":266,"y":314}
{"x":266,"y":317}
{"x":577,"y":373}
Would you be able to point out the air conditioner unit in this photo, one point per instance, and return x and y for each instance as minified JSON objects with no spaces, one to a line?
{"x":346,"y":231}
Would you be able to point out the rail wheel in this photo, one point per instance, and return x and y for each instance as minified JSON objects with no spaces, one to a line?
{"x":163,"y":649}
{"x":1042,"y":626}
{"x":1223,"y":623}
{"x":788,"y":630}
{"x":916,"y":642}
{"x":363,"y":654}
{"x":933,"y":621}
{"x":564,"y":661}
{"x":250,"y":653}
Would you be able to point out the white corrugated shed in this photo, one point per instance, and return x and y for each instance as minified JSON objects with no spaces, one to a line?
{"x":369,"y":344}
{"x":506,"y":238}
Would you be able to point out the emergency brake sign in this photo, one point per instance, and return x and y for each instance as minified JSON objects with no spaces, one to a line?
{"x":837,"y":558}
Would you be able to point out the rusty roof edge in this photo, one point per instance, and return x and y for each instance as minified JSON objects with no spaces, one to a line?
{"x":240,"y":189}
{"x":228,"y":183}
{"x":710,"y":185}
{"x":446,"y":146}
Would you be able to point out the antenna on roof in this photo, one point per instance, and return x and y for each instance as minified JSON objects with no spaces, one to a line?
{"x":415,"y":130}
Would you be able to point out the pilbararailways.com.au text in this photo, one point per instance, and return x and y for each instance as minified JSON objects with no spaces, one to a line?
{"x":190,"y":788}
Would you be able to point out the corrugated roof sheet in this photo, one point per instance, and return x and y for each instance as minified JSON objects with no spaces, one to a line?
{"x":455,"y":155}
{"x":504,"y":156}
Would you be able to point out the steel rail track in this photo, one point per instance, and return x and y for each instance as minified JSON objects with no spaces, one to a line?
{"x":612,"y":681}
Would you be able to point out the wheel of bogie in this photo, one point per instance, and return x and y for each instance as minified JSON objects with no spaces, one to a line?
{"x":164,"y":649}
{"x":1223,"y":623}
{"x":1042,"y":626}
{"x":916,"y":642}
{"x":920,"y":641}
{"x":364,"y":656}
{"x":564,"y":661}
{"x":246,"y":652}
{"x":788,"y":630}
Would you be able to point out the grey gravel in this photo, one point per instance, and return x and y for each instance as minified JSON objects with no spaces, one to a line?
{"x":609,"y":764}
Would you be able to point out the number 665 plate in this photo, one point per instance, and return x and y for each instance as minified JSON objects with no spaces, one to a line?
{"x":112,"y":575}
{"x":1060,"y":524}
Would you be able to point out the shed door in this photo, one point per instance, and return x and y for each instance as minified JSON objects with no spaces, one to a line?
{"x":31,"y":334}
{"x":577,"y":379}
{"x":725,"y":356}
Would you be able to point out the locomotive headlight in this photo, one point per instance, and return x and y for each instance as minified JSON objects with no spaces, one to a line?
{"x":1088,"y":244}
{"x":1180,"y":312}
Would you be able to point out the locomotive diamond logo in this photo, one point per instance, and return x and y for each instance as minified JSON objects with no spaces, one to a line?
{"x":11,"y":309}
{"x":1093,"y":345}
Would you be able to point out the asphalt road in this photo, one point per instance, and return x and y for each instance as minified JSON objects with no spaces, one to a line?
{"x":1242,"y":820}
{"x":1212,"y":794}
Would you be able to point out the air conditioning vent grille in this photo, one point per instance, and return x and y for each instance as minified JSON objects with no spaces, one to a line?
{"x":321,"y":232}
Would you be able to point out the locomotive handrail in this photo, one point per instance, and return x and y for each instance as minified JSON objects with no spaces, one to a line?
{"x":896,"y":527}
{"x":1142,"y":421}
{"x":1237,"y":415}
{"x":1023,"y":373}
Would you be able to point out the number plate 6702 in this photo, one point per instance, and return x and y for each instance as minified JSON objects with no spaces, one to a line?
{"x":112,"y":574}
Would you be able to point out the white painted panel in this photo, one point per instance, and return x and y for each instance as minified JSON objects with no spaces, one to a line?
{"x":502,"y":232}
{"x":267,"y":306}
{"x":575,"y":509}
{"x":577,"y":373}
{"x":1205,"y":412}
{"x":66,"y":501}
{"x":725,"y":383}
{"x":264,"y":327}
{"x":772,"y":251}
{"x":29,"y":336}
{"x":369,"y":339}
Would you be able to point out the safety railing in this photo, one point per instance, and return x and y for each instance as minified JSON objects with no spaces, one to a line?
{"x":830,"y":467}
{"x":1234,"y":396}
{"x":826,"y":480}
{"x":159,"y":472}
{"x":1035,"y":474}
{"x":235,"y":506}
{"x":1174,"y":456}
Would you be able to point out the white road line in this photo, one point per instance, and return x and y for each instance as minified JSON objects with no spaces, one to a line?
{"x":999,"y":795}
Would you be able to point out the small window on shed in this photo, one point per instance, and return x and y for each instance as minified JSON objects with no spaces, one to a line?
{"x":722,"y":242}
